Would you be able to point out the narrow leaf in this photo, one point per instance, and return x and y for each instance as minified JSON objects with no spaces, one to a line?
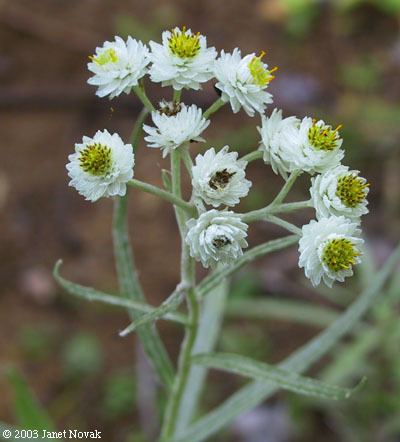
{"x":285,"y":379}
{"x":287,"y":310}
{"x":28,"y":411}
{"x":131,"y":288}
{"x":168,"y":306}
{"x":91,"y":294}
{"x":256,"y":392}
{"x":207,"y":333}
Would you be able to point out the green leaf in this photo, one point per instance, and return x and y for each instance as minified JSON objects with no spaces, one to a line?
{"x":168,"y":306}
{"x":91,"y":294}
{"x":130,"y":288}
{"x":286,"y":310}
{"x":256,"y":392}
{"x":207,"y":333}
{"x":285,"y":379}
{"x":28,"y":411}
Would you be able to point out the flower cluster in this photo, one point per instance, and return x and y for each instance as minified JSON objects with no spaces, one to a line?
{"x":102,"y":166}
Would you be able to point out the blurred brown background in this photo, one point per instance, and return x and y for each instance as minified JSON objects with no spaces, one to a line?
{"x":337,"y":60}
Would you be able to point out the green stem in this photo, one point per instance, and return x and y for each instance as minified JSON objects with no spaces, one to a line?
{"x":255,"y":155}
{"x":188,"y":279}
{"x":187,"y":159}
{"x":261,"y":214}
{"x":286,"y":188}
{"x":212,"y":280}
{"x":285,"y":224}
{"x":137,"y":128}
{"x":184,"y":364}
{"x":177,"y":96}
{"x":130,"y":288}
{"x":176,"y":190}
{"x":141,"y":94}
{"x":214,"y":107}
{"x":163,"y":194}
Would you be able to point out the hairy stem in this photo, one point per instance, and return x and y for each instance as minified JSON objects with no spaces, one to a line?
{"x":286,"y":188}
{"x":214,"y":107}
{"x":262,"y":214}
{"x":163,"y":194}
{"x":141,"y":94}
{"x":188,"y":279}
{"x":137,"y":128}
{"x":252,"y":156}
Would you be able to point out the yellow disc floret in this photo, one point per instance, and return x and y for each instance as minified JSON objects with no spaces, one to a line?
{"x":96,"y":159}
{"x":323,"y":137}
{"x":107,"y":56}
{"x":352,"y":190}
{"x":340,"y":254}
{"x":261,"y":75}
{"x":183,"y":44}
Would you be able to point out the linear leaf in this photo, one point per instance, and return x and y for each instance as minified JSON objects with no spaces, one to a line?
{"x":91,"y":294}
{"x":287,"y":380}
{"x":28,"y":411}
{"x":168,"y":306}
{"x":207,"y":333}
{"x":130,"y":287}
{"x":297,"y":311}
{"x":256,"y":392}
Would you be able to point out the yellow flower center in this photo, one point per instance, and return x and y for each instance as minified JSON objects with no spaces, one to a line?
{"x":96,"y":159}
{"x":352,"y":190}
{"x":323,"y":137}
{"x":339,"y":254}
{"x":261,"y":76}
{"x":183,"y":44}
{"x":107,"y":56}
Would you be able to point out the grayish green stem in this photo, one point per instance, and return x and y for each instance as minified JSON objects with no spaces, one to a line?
{"x":141,"y":94}
{"x":213,"y":108}
{"x":212,"y":280}
{"x":252,"y":156}
{"x":163,"y":194}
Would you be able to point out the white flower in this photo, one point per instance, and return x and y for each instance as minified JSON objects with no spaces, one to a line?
{"x":340,"y":191}
{"x":117,"y":66}
{"x":329,"y":248}
{"x":174,"y":129}
{"x":219,"y":178}
{"x":272,"y":145}
{"x":311,"y":146}
{"x":242,"y":81}
{"x":216,"y":237}
{"x":101,"y":166}
{"x":182,"y":60}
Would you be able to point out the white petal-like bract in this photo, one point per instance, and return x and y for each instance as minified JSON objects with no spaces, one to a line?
{"x":216,"y":237}
{"x":182,"y":60}
{"x":220,"y":178}
{"x":171,"y":131}
{"x":242,"y":81}
{"x":329,"y":248}
{"x":339,"y":191}
{"x":118,"y":66}
{"x":101,"y":166}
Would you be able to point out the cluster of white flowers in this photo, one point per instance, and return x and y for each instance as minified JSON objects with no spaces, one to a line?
{"x":103,"y":165}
